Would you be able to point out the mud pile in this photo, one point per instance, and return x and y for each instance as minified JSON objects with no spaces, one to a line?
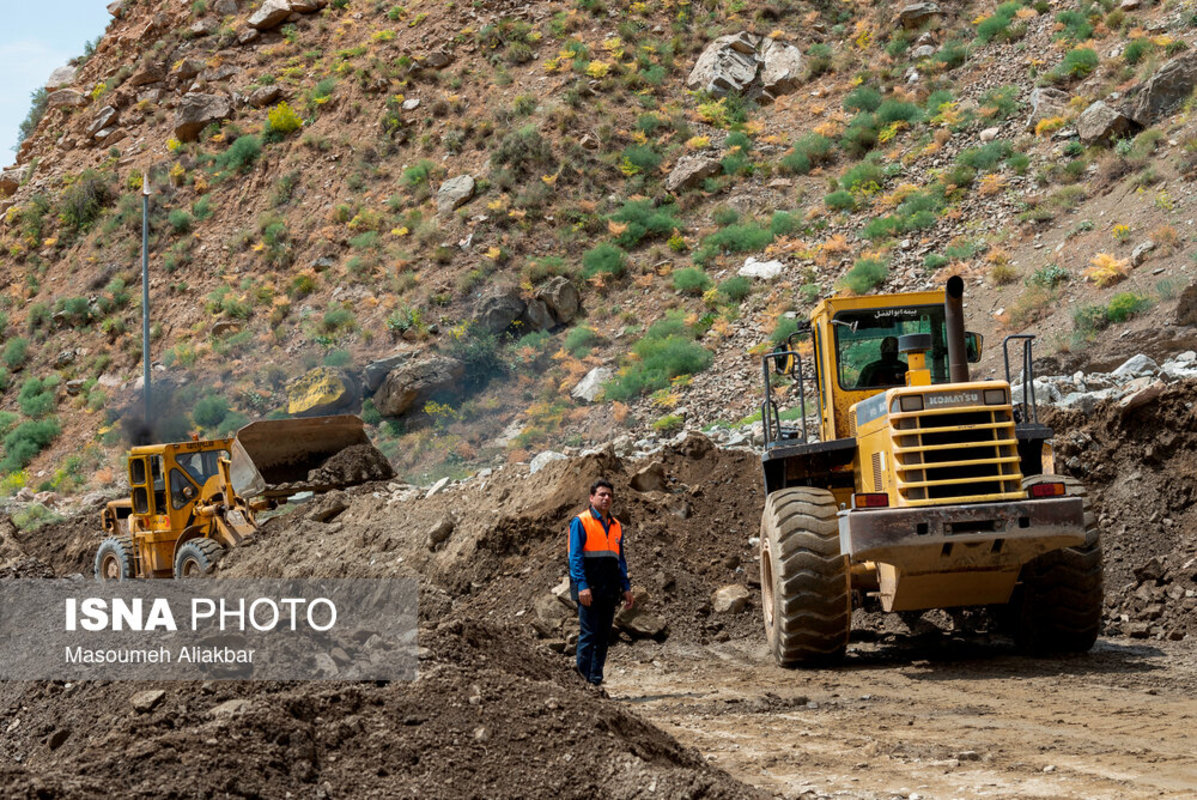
{"x":358,"y":464}
{"x":1140,"y":463}
{"x":491,"y":715}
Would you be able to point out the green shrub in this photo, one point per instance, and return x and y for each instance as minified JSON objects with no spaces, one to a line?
{"x":605,"y":259}
{"x":478,"y":351}
{"x":808,"y":152}
{"x":742,"y":238}
{"x":1088,"y":320}
{"x":1000,"y":103}
{"x":180,"y":221}
{"x":210,"y":411}
{"x":660,"y":360}
{"x":83,"y":201}
{"x":337,"y":319}
{"x":934,"y":261}
{"x":1048,"y":276}
{"x":16,"y":351}
{"x":1135,"y":50}
{"x":866,"y":274}
{"x":691,"y":280}
{"x":417,"y":174}
{"x":202,"y":209}
{"x":644,"y":220}
{"x":524,"y":152}
{"x":76,"y":309}
{"x":337,"y":358}
{"x":897,"y":110}
{"x":241,"y":155}
{"x":580,"y":340}
{"x":1076,"y":26}
{"x":35,"y":516}
{"x":862,"y":174}
{"x":1125,"y":305}
{"x":998,"y":26}
{"x":840,"y":200}
{"x":539,"y":269}
{"x":1077,"y":63}
{"x":985,"y":157}
{"x":883,"y":228}
{"x":951,"y":55}
{"x":736,"y":288}
{"x":862,"y":98}
{"x":860,"y":136}
{"x":36,"y":398}
{"x":725,"y":216}
{"x":23,"y":443}
{"x":640,"y":158}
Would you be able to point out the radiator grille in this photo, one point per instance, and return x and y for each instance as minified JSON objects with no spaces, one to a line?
{"x":877,"y":472}
{"x":963,"y":454}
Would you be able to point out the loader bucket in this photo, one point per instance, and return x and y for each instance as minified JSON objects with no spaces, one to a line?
{"x":278,"y":456}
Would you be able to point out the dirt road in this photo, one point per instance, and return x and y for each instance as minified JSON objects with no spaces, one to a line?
{"x":939,"y":720}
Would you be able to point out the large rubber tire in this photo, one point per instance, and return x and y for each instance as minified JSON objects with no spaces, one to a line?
{"x":1057,"y":604}
{"x":805,"y":583}
{"x":197,"y":558}
{"x":114,"y":559}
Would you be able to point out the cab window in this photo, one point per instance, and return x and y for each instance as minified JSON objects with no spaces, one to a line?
{"x":179,"y":484}
{"x":866,"y":345}
{"x":203,"y":465}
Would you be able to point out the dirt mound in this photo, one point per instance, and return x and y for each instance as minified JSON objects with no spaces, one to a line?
{"x":361,"y":463}
{"x":1140,"y":463}
{"x":490,"y":715}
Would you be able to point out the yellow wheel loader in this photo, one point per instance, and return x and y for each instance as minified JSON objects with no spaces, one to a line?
{"x":921,"y":489}
{"x":189,"y":502}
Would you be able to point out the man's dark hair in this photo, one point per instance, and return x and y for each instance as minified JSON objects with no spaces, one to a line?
{"x":594,"y":487}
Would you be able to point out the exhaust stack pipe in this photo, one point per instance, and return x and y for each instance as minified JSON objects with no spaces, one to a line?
{"x":953,"y":314}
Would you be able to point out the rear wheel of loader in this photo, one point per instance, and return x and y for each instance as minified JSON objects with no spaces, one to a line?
{"x":805,"y":581}
{"x":1057,"y":605}
{"x":114,"y":559}
{"x":197,"y":558}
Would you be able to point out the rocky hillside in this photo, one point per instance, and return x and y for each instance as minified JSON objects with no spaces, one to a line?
{"x":501,"y":227}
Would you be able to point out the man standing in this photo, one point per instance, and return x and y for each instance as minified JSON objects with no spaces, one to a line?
{"x":598,"y":576}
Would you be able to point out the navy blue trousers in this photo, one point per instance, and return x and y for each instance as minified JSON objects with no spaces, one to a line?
{"x":594,"y":634}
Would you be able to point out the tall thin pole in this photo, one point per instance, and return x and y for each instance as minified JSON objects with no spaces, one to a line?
{"x":145,"y":292}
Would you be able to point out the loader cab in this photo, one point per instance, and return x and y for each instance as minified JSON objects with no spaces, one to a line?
{"x":855,"y":341}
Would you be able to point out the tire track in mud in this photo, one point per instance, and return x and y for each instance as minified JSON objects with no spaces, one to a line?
{"x":947,"y":721}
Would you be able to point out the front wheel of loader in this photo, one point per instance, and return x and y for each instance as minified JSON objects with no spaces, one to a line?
{"x":197,"y":558}
{"x":805,"y":581}
{"x":1056,"y":607}
{"x":114,"y":559}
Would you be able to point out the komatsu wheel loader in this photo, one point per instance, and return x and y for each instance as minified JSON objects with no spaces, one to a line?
{"x":191,"y":501}
{"x":922,"y":489}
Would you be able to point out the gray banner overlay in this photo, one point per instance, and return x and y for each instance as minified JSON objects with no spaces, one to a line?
{"x":208,"y":629}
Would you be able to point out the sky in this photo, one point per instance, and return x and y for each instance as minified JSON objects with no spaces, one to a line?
{"x":35,"y":39}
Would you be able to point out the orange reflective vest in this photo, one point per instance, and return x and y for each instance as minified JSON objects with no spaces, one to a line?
{"x":600,"y":543}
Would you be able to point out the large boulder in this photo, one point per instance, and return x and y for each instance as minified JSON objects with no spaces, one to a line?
{"x":1046,"y":103}
{"x":537,"y":317}
{"x":105,"y":118}
{"x":320,"y":391}
{"x":454,"y":193}
{"x":1186,"y":306}
{"x":271,"y":14}
{"x":63,"y":76}
{"x":781,"y":69}
{"x":66,"y":98}
{"x":149,"y":71}
{"x":916,"y":15}
{"x":1160,"y":94}
{"x":590,"y":388}
{"x":1101,"y":123}
{"x":376,"y":371}
{"x":561,"y":298}
{"x":758,"y":66}
{"x":12,"y":178}
{"x":690,"y":171}
{"x":498,"y":308}
{"x":416,"y":381}
{"x":197,"y":111}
